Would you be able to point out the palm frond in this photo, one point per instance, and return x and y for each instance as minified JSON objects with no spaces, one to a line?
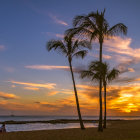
{"x":79,"y":45}
{"x":97,"y":70}
{"x":56,"y":45}
{"x":86,"y":21}
{"x":100,"y":69}
{"x":94,"y":66}
{"x":87,"y":74}
{"x":84,"y":44}
{"x":89,"y":23}
{"x":98,"y":20}
{"x":103,"y":12}
{"x":85,"y":32}
{"x":117,"y":29}
{"x":93,"y":16}
{"x":113,"y":74}
{"x":72,"y":32}
{"x":81,"y":54}
{"x":96,"y":77}
{"x":78,"y":20}
{"x":94,"y":35}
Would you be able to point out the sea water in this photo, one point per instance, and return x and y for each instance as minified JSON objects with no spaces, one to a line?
{"x":49,"y":126}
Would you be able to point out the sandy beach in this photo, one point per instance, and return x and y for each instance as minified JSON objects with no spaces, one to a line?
{"x":117,"y":130}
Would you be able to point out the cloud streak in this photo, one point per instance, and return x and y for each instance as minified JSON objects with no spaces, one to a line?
{"x":58,"y":35}
{"x":47,"y":67}
{"x":58,"y":21}
{"x":107,"y":57}
{"x":127,"y":79}
{"x":124,"y":66}
{"x":8,"y":96}
{"x":31,"y":88}
{"x":34,"y":86}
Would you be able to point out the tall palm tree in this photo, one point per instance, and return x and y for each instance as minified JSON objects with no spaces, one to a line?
{"x":71,"y":47}
{"x":97,"y":70}
{"x":95,"y":27}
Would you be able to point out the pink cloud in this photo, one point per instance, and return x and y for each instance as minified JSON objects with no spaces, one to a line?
{"x":46,"y":67}
{"x":58,"y":21}
{"x":122,"y":46}
{"x":59,"y":35}
{"x":2,"y":47}
{"x":104,"y":56}
{"x":53,"y":34}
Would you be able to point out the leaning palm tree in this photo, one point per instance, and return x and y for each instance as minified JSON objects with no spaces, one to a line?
{"x":95,"y":27}
{"x":70,"y":47}
{"x":97,"y":70}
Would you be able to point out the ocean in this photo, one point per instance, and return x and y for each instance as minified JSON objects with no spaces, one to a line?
{"x":49,"y":126}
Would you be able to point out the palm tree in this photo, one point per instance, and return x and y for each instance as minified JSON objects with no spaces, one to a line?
{"x":71,"y":47}
{"x":95,"y":27}
{"x":94,"y":73}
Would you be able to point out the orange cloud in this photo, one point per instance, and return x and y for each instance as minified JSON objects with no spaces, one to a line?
{"x":47,"y":105}
{"x":87,"y":87}
{"x":61,"y":91}
{"x":36,"y":85}
{"x":31,"y":88}
{"x":52,"y":93}
{"x":120,"y":99}
{"x":131,"y":70}
{"x":127,"y":99}
{"x":13,"y":86}
{"x":8,"y":95}
{"x":123,"y":99}
{"x":16,"y":106}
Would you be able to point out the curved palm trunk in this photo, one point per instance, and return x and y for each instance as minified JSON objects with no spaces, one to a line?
{"x":100,"y":127}
{"x":76,"y":96}
{"x":104,"y":126}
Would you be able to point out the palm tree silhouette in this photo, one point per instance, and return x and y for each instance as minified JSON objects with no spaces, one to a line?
{"x":95,"y":27}
{"x":96,"y":69}
{"x":70,"y":47}
{"x":108,"y":76}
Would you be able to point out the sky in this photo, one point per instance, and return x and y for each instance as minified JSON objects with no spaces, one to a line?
{"x":36,"y":82}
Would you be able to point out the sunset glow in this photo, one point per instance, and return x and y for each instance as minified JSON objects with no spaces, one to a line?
{"x":34,"y":81}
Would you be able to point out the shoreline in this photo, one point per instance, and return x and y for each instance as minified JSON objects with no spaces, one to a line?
{"x":60,"y":121}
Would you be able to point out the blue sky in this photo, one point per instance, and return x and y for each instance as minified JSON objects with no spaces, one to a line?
{"x":26,"y":26}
